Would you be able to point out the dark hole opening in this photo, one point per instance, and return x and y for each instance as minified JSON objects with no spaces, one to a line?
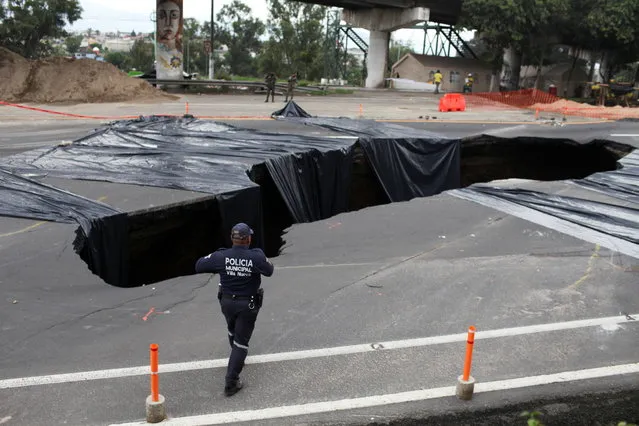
{"x":485,"y":159}
{"x":165,"y":242}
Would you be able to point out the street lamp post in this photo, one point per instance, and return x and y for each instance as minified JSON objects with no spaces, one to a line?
{"x":212,"y":53}
{"x":155,"y":35}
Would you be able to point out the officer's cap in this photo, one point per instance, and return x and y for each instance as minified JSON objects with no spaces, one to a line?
{"x":241,"y":230}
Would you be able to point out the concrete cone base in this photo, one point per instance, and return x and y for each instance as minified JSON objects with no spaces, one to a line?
{"x":155,"y":412}
{"x":465,"y":388}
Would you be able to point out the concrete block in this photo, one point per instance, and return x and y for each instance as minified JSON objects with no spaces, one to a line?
{"x":465,"y":388}
{"x":155,"y":412}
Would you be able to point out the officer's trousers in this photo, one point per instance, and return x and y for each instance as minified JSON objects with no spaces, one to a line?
{"x":240,"y":319}
{"x":270,"y":91}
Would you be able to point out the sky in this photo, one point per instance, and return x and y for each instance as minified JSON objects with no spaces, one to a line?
{"x":129,"y":15}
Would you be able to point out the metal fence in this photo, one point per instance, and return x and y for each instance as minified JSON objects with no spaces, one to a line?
{"x":231,"y":83}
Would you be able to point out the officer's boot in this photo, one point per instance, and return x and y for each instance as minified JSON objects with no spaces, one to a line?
{"x":234,"y":387}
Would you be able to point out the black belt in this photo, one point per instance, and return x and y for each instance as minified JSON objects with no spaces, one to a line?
{"x":237,"y":297}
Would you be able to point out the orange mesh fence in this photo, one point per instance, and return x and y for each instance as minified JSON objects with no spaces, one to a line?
{"x":544,"y":102}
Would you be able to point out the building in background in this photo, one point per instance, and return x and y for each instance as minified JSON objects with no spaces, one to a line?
{"x":119,"y":44}
{"x":422,"y":68}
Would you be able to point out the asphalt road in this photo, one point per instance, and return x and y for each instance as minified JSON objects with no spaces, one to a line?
{"x":362,"y":280}
{"x":18,"y":137}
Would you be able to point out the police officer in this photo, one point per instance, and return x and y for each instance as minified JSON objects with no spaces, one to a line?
{"x":240,"y":294}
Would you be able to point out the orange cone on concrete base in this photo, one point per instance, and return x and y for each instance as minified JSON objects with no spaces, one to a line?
{"x":155,"y":411}
{"x":466,"y":383}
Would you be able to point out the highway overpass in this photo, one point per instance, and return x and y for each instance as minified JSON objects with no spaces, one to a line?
{"x":382,"y":17}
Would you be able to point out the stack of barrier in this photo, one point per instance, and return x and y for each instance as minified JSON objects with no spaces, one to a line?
{"x":452,"y":102}
{"x":543,"y":102}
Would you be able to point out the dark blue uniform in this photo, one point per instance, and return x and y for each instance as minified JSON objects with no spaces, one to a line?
{"x":240,"y":270}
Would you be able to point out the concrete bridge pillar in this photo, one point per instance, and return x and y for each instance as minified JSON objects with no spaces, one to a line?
{"x":381,"y":22}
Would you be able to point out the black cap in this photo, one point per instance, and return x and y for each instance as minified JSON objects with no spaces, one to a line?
{"x":241,"y":230}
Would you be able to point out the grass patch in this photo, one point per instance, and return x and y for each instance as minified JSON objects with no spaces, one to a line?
{"x":332,"y":92}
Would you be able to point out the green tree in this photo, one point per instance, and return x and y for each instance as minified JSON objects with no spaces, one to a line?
{"x":25,"y":25}
{"x":613,"y":27}
{"x":141,"y":56}
{"x":297,"y":39}
{"x":532,"y":28}
{"x":354,"y":71}
{"x":118,"y":59}
{"x":240,"y":32}
{"x":528,"y":27}
{"x":193,"y":46}
{"x":497,"y":28}
{"x":73,"y":44}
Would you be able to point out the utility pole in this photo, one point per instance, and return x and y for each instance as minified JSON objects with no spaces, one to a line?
{"x":155,"y":36}
{"x":212,"y":54}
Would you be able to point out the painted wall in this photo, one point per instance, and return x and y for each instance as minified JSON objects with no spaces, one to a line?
{"x":168,"y":48}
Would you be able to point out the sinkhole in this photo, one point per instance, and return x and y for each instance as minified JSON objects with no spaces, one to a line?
{"x":165,"y":242}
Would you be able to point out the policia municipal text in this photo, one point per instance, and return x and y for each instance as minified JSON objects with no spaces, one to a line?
{"x":240,"y":294}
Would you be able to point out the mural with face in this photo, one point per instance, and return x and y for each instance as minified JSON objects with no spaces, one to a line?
{"x":169,"y":29}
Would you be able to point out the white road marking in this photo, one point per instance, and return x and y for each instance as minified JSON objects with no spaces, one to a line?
{"x":626,"y":135}
{"x":380,"y":400}
{"x":5,"y":419}
{"x":327,"y":265}
{"x":313,"y":353}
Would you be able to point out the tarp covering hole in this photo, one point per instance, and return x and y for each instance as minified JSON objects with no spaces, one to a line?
{"x":273,"y":180}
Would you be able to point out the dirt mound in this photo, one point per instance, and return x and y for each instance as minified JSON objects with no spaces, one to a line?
{"x":13,"y":71}
{"x":57,"y":80}
{"x":564,"y":106}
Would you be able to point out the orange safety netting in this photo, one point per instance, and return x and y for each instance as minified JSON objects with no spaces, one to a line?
{"x":537,"y":100}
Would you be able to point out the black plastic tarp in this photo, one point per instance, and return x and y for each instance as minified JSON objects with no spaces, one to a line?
{"x":408,"y":162}
{"x":169,"y":153}
{"x":204,"y":157}
{"x":311,"y":174}
{"x":25,"y":198}
{"x":101,"y":238}
{"x":610,"y":225}
{"x":622,"y":183}
{"x":291,"y":109}
{"x":409,"y":168}
{"x":315,"y":185}
{"x":366,"y":128}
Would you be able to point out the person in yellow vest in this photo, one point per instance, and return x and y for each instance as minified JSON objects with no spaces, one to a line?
{"x":468,"y":83}
{"x":437,"y":78}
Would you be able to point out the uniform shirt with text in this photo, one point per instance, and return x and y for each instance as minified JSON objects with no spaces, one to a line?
{"x":240,"y":269}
